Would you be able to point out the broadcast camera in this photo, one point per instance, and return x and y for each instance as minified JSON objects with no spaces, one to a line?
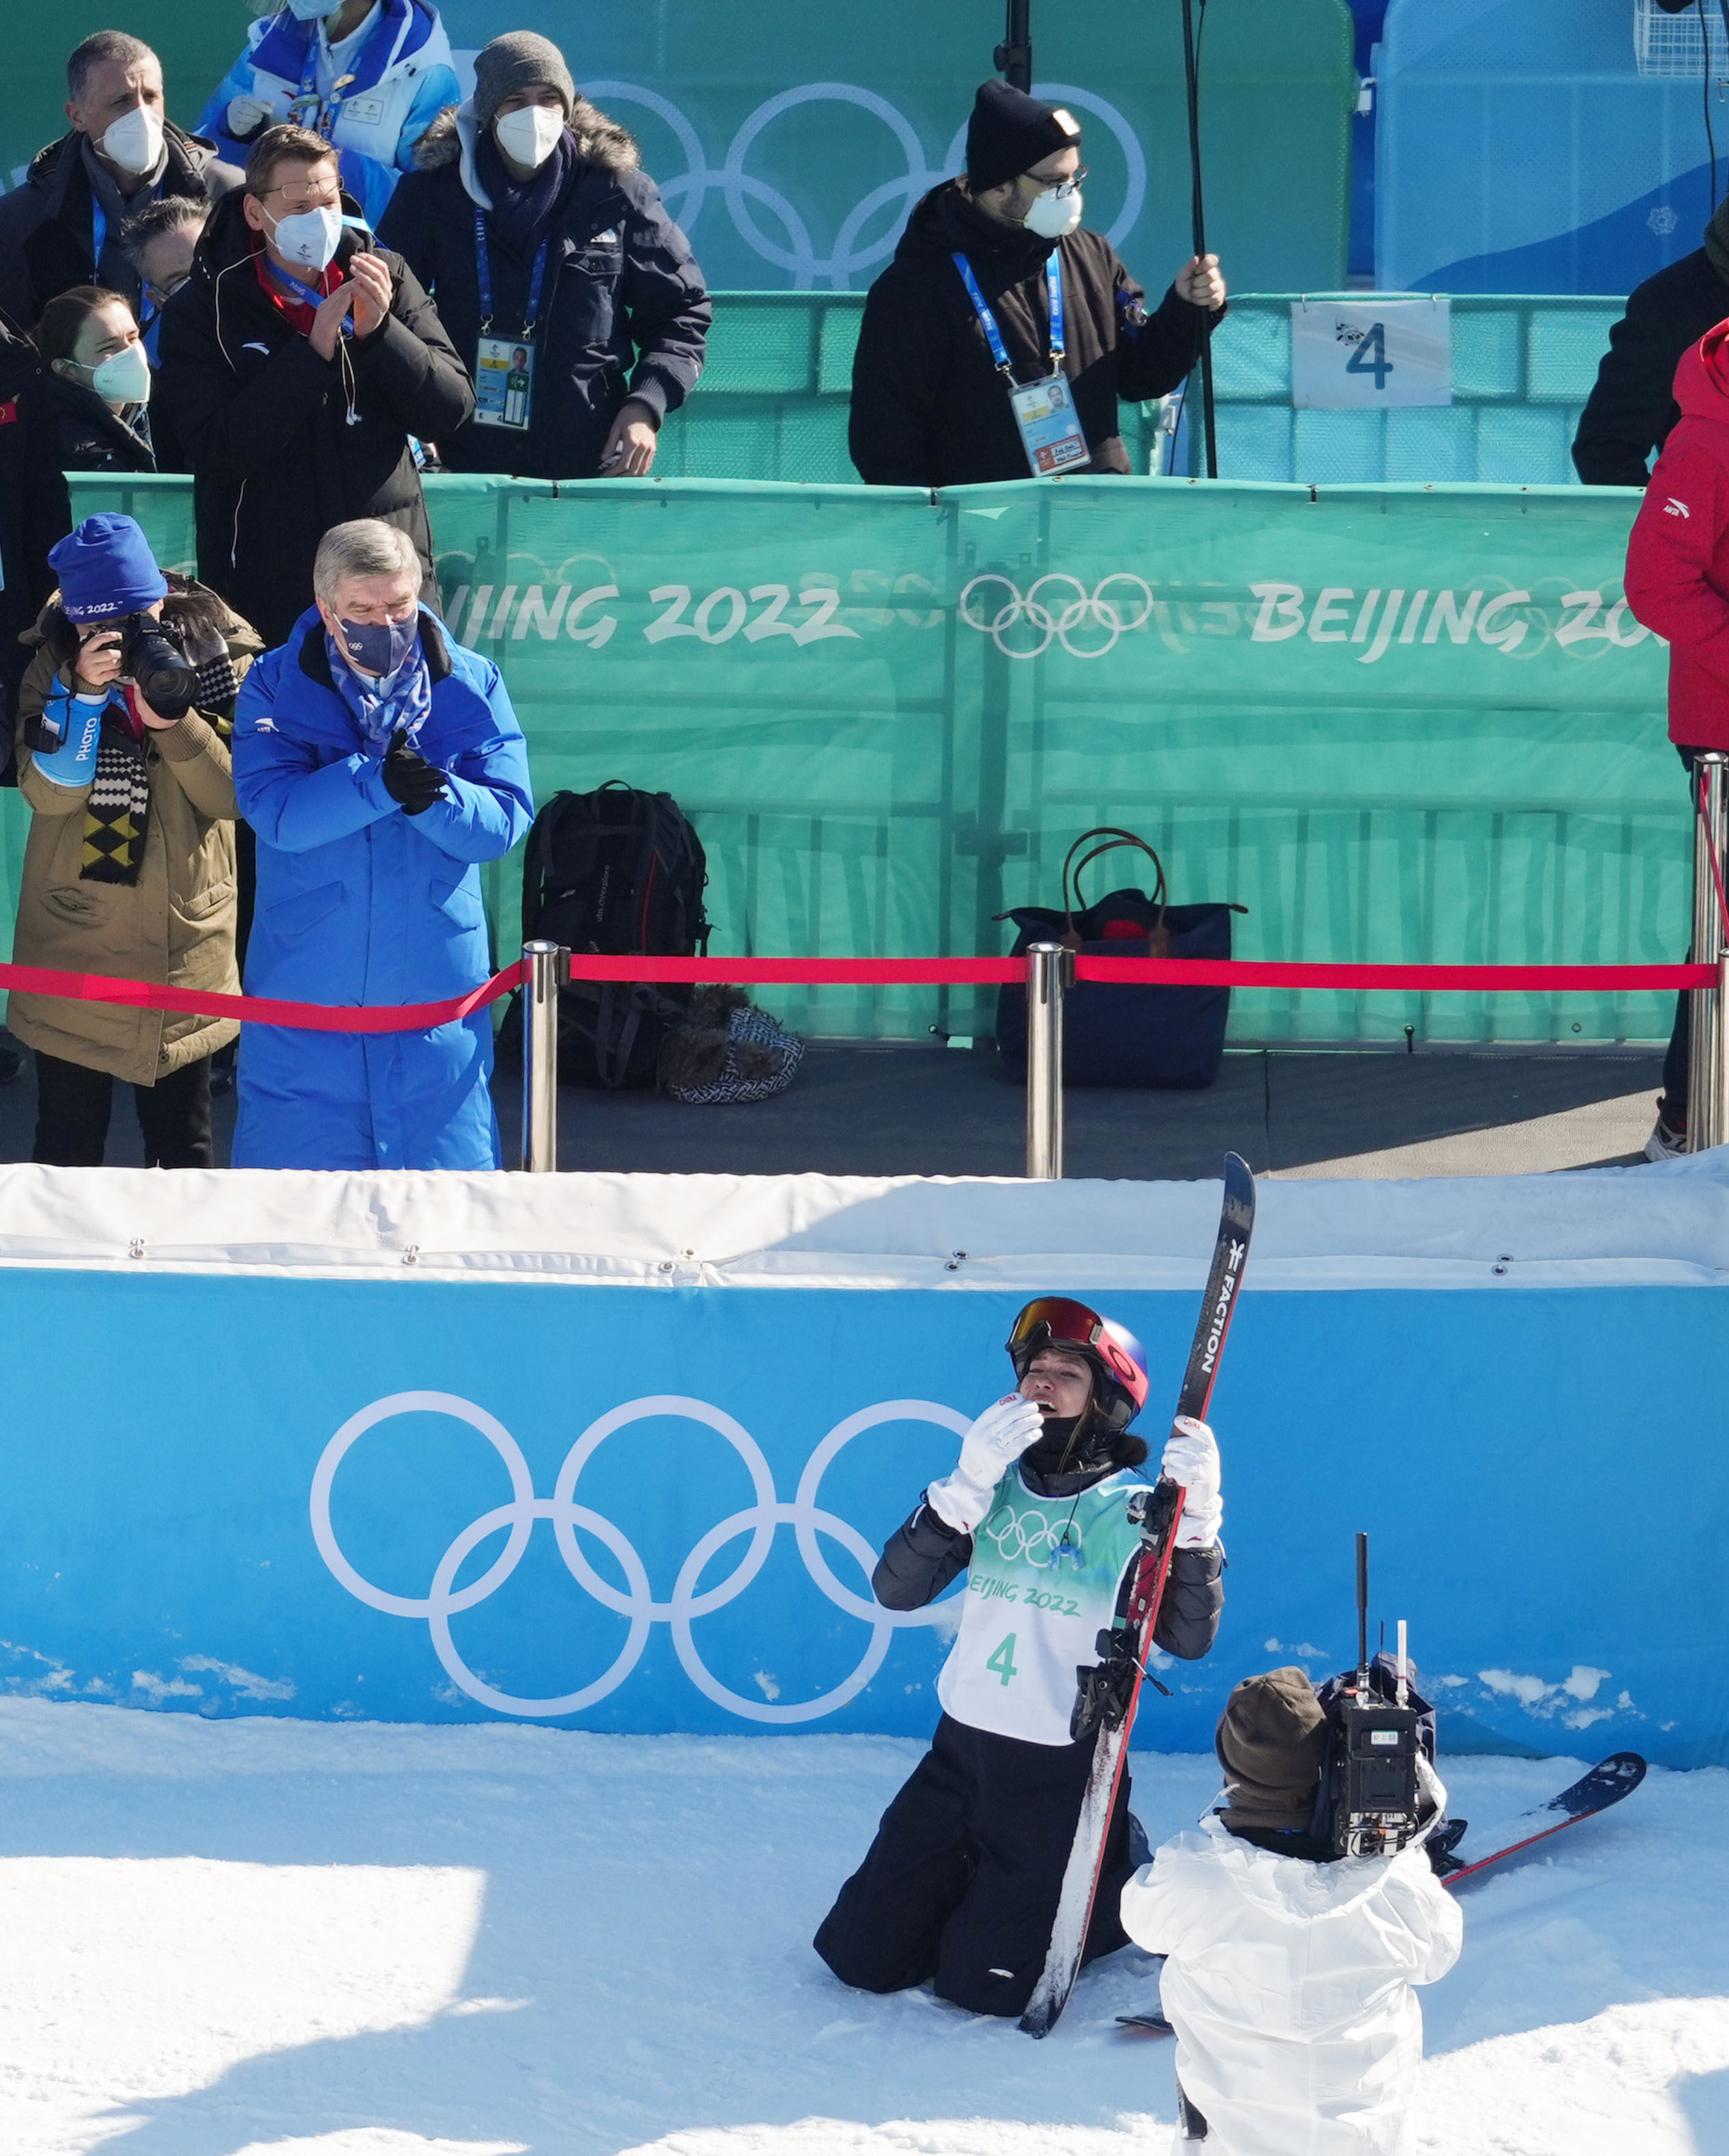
{"x":1373,"y":1801}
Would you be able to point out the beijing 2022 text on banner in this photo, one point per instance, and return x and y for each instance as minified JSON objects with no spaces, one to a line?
{"x":1395,"y":722}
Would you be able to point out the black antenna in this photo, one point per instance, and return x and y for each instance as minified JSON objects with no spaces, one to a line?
{"x":1362,"y":1608}
{"x":1013,"y":57}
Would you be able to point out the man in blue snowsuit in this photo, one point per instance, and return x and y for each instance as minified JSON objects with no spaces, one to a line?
{"x":369,"y":75}
{"x":379,"y":764}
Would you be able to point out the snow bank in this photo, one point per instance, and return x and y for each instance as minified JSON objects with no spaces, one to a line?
{"x":227,"y":1938}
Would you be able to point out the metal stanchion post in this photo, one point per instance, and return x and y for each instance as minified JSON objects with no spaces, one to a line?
{"x":1705,"y":1105}
{"x":548,"y":969}
{"x":1049,"y":970}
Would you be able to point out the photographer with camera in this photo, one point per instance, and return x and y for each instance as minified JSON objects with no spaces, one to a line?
{"x":124,"y":719}
{"x":1321,"y":2047}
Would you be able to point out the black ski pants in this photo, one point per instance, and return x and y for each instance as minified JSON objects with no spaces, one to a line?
{"x":74,"y":1105}
{"x":962,"y":1880}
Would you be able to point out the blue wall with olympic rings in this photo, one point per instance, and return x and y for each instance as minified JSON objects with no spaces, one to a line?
{"x":654,"y":1508}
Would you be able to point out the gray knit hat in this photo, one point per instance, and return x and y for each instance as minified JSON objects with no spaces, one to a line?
{"x":1272,"y":1744}
{"x":517,"y":61}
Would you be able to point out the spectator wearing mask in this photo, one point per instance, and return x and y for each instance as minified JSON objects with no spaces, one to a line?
{"x":295,"y":366}
{"x":94,"y":399}
{"x":159,"y":243}
{"x":379,"y":763}
{"x":129,"y":869}
{"x":62,"y":226}
{"x":994,"y":291}
{"x":368,"y":76}
{"x":564,"y":283}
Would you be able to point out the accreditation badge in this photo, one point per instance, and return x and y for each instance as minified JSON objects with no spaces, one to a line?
{"x":504,"y":381}
{"x":1044,"y":413}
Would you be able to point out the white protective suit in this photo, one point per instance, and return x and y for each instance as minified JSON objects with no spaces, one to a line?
{"x":1288,"y":1985}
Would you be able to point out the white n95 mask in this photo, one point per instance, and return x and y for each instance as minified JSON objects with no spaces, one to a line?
{"x":124,"y":377}
{"x":530,"y":135}
{"x":135,"y":142}
{"x":309,"y":239}
{"x":313,"y":11}
{"x":1054,"y":215}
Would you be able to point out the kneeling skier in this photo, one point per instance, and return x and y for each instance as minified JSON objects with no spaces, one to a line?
{"x":962,"y":1880}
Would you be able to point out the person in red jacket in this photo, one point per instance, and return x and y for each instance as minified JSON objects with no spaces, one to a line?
{"x":1677,"y":584}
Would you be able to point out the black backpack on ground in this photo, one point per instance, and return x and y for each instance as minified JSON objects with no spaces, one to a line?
{"x":615,"y":870}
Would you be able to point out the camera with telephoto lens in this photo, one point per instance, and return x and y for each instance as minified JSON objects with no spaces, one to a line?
{"x":150,"y":657}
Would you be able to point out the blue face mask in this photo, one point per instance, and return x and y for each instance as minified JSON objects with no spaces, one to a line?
{"x":380,"y":647}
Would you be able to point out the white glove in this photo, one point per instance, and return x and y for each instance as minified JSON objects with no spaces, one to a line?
{"x":246,"y":113}
{"x":995,"y":1442}
{"x":1192,"y":1459}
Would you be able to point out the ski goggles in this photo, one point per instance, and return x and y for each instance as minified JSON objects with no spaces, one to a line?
{"x":1055,"y":1321}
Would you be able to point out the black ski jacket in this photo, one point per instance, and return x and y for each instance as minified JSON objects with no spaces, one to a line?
{"x":86,"y":435}
{"x":929,"y":407}
{"x":623,"y":312}
{"x":924,"y":1554}
{"x":283,"y":444}
{"x":35,"y":514}
{"x":48,"y":225}
{"x":1632,"y":409}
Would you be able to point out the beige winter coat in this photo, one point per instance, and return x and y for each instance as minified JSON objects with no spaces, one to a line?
{"x":174,"y":927}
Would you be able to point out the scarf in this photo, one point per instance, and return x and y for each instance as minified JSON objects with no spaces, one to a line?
{"x":404,"y":700}
{"x":116,"y":810}
{"x":522,"y":210}
{"x":1716,"y":240}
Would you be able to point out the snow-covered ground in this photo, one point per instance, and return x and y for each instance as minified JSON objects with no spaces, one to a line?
{"x":224,"y":1939}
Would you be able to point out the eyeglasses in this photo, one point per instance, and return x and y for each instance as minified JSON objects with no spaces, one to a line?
{"x":1058,"y":187}
{"x":297,"y":198}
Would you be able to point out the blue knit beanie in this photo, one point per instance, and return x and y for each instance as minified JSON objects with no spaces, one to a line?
{"x":105,"y":569}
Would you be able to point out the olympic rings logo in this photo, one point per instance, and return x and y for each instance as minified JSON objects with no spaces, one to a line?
{"x":516,"y":1520}
{"x":794,"y":250}
{"x":1059,"y":606}
{"x":1041,"y":1546}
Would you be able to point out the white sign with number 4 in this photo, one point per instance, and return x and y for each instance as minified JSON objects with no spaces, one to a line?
{"x":1382,"y":349}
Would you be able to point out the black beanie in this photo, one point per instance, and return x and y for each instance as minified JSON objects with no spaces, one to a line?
{"x":1010,"y":132}
{"x":1272,"y":1744}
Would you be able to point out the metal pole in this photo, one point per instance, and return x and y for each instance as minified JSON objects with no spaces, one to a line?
{"x":1049,"y":970}
{"x":1191,"y":66}
{"x":540,"y":1057}
{"x":1013,"y":58}
{"x":1706,"y":1104}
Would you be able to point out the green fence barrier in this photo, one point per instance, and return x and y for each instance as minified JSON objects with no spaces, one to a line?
{"x":773,"y":401}
{"x":1410,"y":723}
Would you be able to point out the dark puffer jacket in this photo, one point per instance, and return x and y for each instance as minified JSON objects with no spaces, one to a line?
{"x":1632,"y":409}
{"x":283,"y":444}
{"x":35,"y":513}
{"x":623,"y":314}
{"x":929,"y":407}
{"x":87,"y":436}
{"x":47,"y":226}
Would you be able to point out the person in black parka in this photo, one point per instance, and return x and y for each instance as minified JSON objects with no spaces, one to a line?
{"x":930,"y":407}
{"x":1631,"y":407}
{"x":622,"y":321}
{"x":293,"y":417}
{"x":35,"y":514}
{"x":94,"y":425}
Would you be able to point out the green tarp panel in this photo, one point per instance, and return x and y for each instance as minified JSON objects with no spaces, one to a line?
{"x":791,"y":141}
{"x":1397,"y":723}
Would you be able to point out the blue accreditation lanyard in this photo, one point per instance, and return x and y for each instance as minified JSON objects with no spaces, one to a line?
{"x":483,"y":278}
{"x":321,"y":114}
{"x":99,"y":237}
{"x":987,"y":321}
{"x":308,"y":295}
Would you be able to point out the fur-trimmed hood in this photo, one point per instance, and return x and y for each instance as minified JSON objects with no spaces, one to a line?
{"x":601,"y":141}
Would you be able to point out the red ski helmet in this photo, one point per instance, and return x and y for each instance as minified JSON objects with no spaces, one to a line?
{"x":1118,"y":1360}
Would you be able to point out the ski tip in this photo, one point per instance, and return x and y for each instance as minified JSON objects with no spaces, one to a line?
{"x":1146,"y":2024}
{"x":1034,"y":2024}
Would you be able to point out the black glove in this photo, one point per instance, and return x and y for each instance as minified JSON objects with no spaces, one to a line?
{"x":409,"y":779}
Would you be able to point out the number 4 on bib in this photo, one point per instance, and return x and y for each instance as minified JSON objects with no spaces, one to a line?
{"x":1003,"y":1661}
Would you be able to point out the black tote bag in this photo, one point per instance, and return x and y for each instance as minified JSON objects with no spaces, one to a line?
{"x":1122,"y":1033}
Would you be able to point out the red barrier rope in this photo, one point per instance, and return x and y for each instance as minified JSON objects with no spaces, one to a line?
{"x":857,"y":972}
{"x":262,"y":1010}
